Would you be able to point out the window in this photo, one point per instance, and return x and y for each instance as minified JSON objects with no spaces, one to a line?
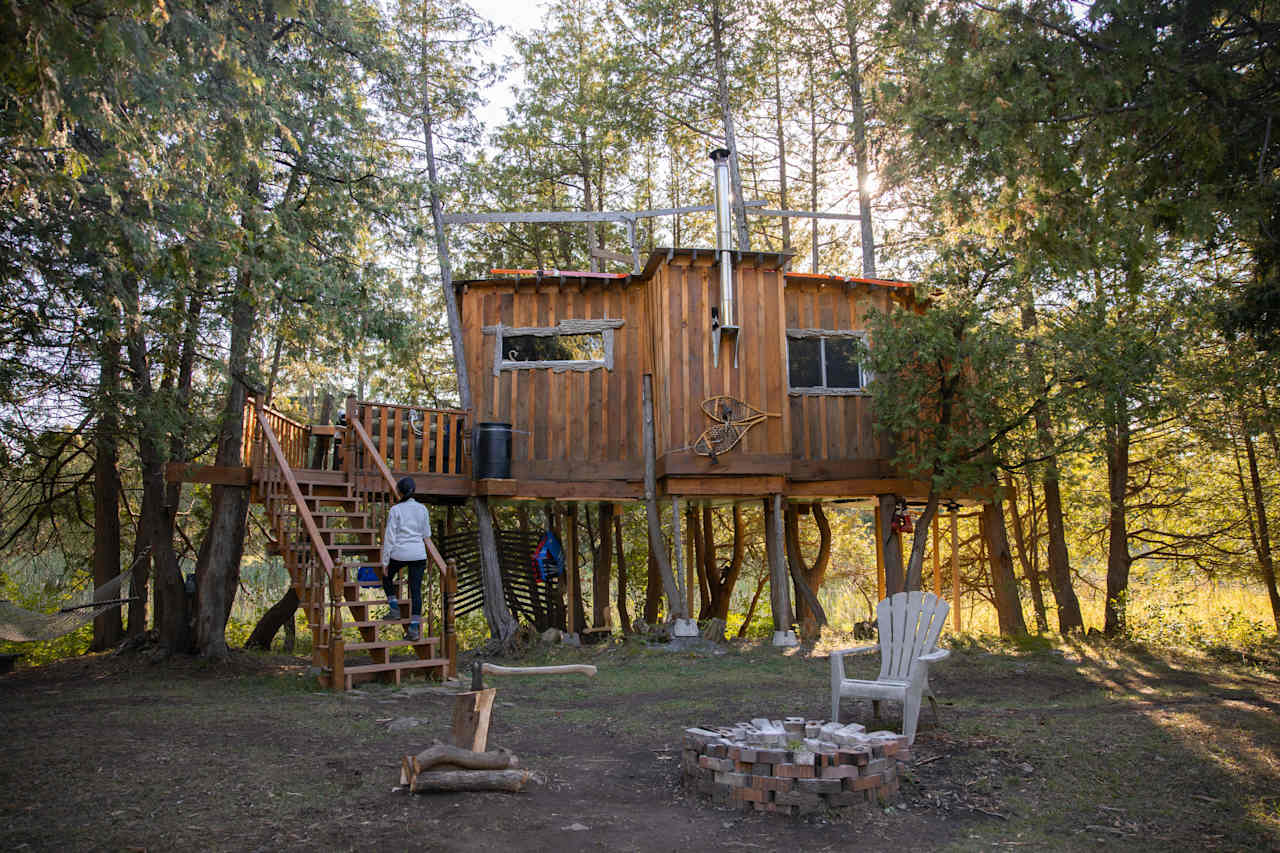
{"x":588,"y":347}
{"x":824,"y":362}
{"x":569,"y":345}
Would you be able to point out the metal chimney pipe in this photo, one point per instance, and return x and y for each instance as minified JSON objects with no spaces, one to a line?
{"x":724,"y":246}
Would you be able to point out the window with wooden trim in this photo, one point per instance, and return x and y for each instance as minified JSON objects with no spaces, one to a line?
{"x":568,"y":345}
{"x":821,"y":361}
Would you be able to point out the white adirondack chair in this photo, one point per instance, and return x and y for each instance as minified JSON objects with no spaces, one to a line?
{"x":910,"y":623}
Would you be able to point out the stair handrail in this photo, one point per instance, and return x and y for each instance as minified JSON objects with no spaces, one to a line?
{"x":372,"y":451}
{"x":277,"y":453}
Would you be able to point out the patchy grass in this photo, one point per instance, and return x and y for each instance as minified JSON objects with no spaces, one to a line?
{"x":1042,"y":745}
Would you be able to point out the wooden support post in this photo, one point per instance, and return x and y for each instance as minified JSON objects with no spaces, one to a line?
{"x":471,"y":712}
{"x":571,"y":546}
{"x":448,"y":629}
{"x":937,"y":559}
{"x":880,"y":596}
{"x":337,"y":661}
{"x":657,"y":546}
{"x":349,"y":440}
{"x":691,"y":554}
{"x":677,"y":546}
{"x":955,"y":569}
{"x":779,"y":582}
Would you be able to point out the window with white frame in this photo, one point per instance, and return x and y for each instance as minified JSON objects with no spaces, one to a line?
{"x":821,"y":361}
{"x":569,"y":345}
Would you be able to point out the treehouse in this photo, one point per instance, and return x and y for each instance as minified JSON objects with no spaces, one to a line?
{"x":702,"y":376}
{"x":774,"y":402}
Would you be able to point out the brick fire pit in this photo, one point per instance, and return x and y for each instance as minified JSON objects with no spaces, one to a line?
{"x":793,"y":766}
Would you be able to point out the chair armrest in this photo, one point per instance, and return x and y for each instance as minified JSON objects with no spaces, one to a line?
{"x":920,"y":666}
{"x":837,"y":662}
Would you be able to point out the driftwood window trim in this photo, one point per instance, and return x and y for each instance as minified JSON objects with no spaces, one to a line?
{"x":604,"y":328}
{"x":822,"y":335}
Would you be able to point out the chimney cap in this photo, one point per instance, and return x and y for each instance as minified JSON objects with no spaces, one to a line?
{"x":720,"y":154}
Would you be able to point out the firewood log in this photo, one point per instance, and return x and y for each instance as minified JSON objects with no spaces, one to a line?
{"x":470,"y":780}
{"x":463,"y":759}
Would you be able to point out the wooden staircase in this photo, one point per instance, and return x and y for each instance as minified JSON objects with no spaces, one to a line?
{"x":326,"y":529}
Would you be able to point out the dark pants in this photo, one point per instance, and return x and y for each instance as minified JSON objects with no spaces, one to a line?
{"x":416,"y":570}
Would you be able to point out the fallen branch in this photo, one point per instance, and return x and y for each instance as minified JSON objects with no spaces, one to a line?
{"x":470,"y":780}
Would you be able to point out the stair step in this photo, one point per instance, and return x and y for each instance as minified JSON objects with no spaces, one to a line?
{"x":352,"y":530}
{"x":373,"y":623}
{"x":427,"y":663}
{"x":387,"y":644}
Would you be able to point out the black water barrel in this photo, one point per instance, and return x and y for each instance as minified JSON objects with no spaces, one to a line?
{"x":492,"y":452}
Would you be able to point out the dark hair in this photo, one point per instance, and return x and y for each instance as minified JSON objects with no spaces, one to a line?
{"x":406,"y":487}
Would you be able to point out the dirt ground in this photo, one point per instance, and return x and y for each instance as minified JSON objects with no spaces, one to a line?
{"x":1075,"y":747}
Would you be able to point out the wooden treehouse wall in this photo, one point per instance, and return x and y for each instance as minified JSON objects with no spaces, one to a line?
{"x":586,"y":425}
{"x":569,"y":425}
{"x":834,"y":436}
{"x":682,"y":295}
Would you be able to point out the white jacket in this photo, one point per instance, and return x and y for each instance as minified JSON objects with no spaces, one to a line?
{"x":407,"y":526}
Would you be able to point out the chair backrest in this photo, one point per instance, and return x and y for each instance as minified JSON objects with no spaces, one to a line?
{"x":910,"y":623}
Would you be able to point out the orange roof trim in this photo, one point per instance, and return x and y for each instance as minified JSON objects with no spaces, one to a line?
{"x":886,"y":282}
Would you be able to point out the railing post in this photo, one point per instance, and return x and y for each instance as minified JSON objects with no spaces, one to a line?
{"x":348,"y":440}
{"x":337,"y":650}
{"x":450,"y":593}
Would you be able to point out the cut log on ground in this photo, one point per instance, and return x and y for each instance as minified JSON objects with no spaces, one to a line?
{"x":463,"y":759}
{"x":470,"y":780}
{"x":564,"y":669}
{"x":471,"y":719}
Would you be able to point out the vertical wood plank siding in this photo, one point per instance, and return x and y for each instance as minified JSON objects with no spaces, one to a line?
{"x":832,"y":427}
{"x":585,"y":425}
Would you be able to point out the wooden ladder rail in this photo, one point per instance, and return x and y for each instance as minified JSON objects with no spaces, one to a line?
{"x":448,"y":574}
{"x":313,"y":533}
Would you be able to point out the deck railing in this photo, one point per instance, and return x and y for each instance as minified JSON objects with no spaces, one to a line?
{"x":410,"y":439}
{"x":292,"y":436}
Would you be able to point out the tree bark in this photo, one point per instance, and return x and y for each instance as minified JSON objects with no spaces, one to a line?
{"x":775,"y":551}
{"x":726,"y":111}
{"x":751,"y":609}
{"x":1118,"y":558}
{"x":894,"y":579}
{"x":601,"y":568}
{"x":1028,"y":567}
{"x":920,"y":539}
{"x":1004,"y":584}
{"x":502,"y":625}
{"x":218,"y":565}
{"x":657,"y":547}
{"x":1070,"y":619}
{"x":154,"y":537}
{"x":1265,"y":560}
{"x":702,"y":533}
{"x":278,"y":616}
{"x":811,"y":576}
{"x":720,"y":584}
{"x":854,"y":74}
{"x":108,"y":628}
{"x":624,"y":612}
{"x":652,"y":589}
